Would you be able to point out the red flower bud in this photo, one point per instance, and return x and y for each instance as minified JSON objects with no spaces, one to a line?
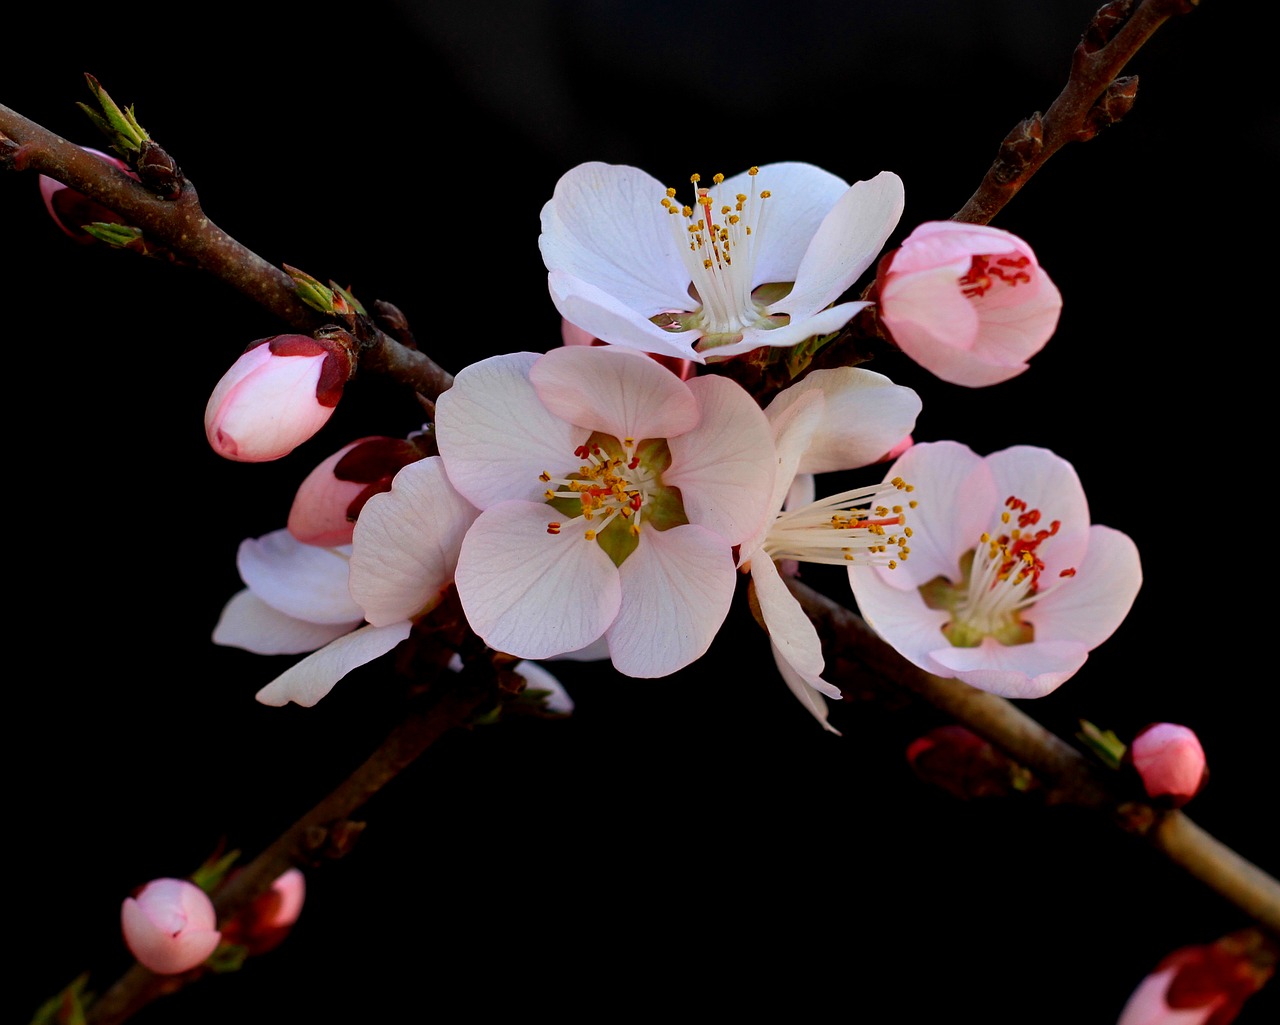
{"x":1170,"y":761}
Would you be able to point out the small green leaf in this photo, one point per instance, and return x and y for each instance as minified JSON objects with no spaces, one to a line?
{"x":1105,"y":744}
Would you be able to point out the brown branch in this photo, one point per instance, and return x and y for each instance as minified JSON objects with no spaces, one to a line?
{"x":1075,"y":780}
{"x":180,"y":224}
{"x":324,"y":832}
{"x":1092,"y":98}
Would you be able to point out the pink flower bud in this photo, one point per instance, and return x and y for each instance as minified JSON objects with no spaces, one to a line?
{"x":1170,"y":761}
{"x":70,"y":209}
{"x":170,"y":926}
{"x":267,"y":920}
{"x":327,"y":503}
{"x":1203,"y":985}
{"x":967,"y":302}
{"x":276,"y":396}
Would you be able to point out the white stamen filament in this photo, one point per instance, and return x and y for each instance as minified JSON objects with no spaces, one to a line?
{"x":857,"y":526}
{"x":606,"y":487}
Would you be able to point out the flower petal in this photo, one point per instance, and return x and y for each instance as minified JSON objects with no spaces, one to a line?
{"x":622,"y":393}
{"x":899,"y":616}
{"x":1089,"y":607}
{"x":724,"y":467}
{"x":790,"y":630}
{"x":313,"y":677}
{"x":531,"y":593}
{"x":676,"y":590}
{"x":865,"y":415}
{"x":845,"y":244}
{"x":495,"y":434}
{"x":537,"y":678}
{"x":806,"y":695}
{"x":1013,"y":670}
{"x":606,"y":317}
{"x":1046,"y":481}
{"x":800,"y":328}
{"x":407,"y":541}
{"x":250,"y":623}
{"x":302,"y":581}
{"x":605,"y":225}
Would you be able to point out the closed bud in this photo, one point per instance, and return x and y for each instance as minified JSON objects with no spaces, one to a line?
{"x":966,"y":766}
{"x":71,"y":210}
{"x":267,"y":920}
{"x":1170,"y":761}
{"x":276,"y":396}
{"x":170,"y":926}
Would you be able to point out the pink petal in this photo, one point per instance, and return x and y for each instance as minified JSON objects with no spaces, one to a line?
{"x":622,"y":393}
{"x":496,"y":436}
{"x":676,"y":590}
{"x":1089,"y":607}
{"x":530,"y":593}
{"x":1012,"y":670}
{"x":313,"y":677}
{"x":1046,"y":481}
{"x":725,"y":466}
{"x":407,"y":542}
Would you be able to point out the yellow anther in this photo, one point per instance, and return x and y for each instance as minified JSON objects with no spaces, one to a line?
{"x":913,"y":503}
{"x":548,"y":494}
{"x":544,"y":477}
{"x":765,"y":194}
{"x":1004,"y":517}
{"x":717,"y":178}
{"x":671,"y":193}
{"x":892,"y":564}
{"x":695,"y":178}
{"x":753,"y":171}
{"x":907,"y":531}
{"x":590,"y":535}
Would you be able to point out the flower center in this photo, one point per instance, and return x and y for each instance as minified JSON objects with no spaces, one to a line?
{"x":1001,"y":578}
{"x":988,"y":272}
{"x":616,"y":488}
{"x":852,"y":527}
{"x":719,"y":237}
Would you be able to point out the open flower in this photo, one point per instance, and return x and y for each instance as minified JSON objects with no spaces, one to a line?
{"x":1008,"y":587}
{"x":831,"y":420}
{"x":968,"y":302}
{"x":611,"y":496}
{"x":170,"y":926}
{"x":752,"y":260}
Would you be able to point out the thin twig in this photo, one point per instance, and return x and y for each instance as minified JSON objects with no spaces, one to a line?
{"x":1075,"y":780}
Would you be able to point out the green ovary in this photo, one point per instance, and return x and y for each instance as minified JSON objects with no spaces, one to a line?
{"x":961,"y":630}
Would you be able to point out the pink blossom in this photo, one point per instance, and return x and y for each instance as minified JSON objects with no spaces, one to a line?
{"x":1008,"y":586}
{"x":611,"y":496}
{"x":268,"y":918}
{"x":275,"y":396}
{"x":170,"y":926}
{"x":627,"y":263}
{"x":968,"y":302}
{"x":1170,"y":761}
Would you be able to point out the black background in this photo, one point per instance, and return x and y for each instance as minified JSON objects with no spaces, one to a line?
{"x":692,"y":843}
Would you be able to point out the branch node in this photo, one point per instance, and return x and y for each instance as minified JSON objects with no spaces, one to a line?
{"x":1106,"y":23}
{"x":1019,"y":150}
{"x":1111,"y":106}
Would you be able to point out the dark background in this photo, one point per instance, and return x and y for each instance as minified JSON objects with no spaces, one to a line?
{"x":694,"y":842}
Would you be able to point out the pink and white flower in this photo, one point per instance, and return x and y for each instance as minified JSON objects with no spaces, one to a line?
{"x":831,"y":420}
{"x":1008,"y":586}
{"x":170,"y":926}
{"x":968,"y":302}
{"x":611,"y":494}
{"x":753,"y":260}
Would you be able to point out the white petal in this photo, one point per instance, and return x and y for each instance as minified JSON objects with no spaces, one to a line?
{"x":790,"y":630}
{"x":1088,"y":607}
{"x":676,"y":590}
{"x":806,"y":695}
{"x":1046,"y":481}
{"x":622,"y":393}
{"x":792,"y":429}
{"x":899,"y":616}
{"x":846,"y":244}
{"x":605,"y":224}
{"x":725,"y":466}
{"x":496,"y":436}
{"x":406,"y":543}
{"x":865,"y":415}
{"x":1013,"y":670}
{"x":313,"y":677}
{"x":608,"y":318}
{"x":537,"y":678}
{"x":802,"y":195}
{"x":250,"y":623}
{"x":530,"y":593}
{"x":301,"y":581}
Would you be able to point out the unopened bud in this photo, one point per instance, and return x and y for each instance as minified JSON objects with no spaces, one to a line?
{"x":170,"y":926}
{"x":71,"y":210}
{"x":962,"y":763}
{"x":267,"y":920}
{"x":276,"y":396}
{"x":1170,"y":761}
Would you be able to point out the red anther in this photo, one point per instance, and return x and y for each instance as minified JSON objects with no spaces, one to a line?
{"x":636,"y":501}
{"x":1028,"y":518}
{"x":1014,"y":502}
{"x":1053,"y":527}
{"x":1068,"y":572}
{"x":635,"y":461}
{"x":553,"y":528}
{"x":1010,"y":261}
{"x":582,"y":451}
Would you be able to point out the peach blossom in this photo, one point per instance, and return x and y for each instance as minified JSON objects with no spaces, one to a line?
{"x":170,"y":926}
